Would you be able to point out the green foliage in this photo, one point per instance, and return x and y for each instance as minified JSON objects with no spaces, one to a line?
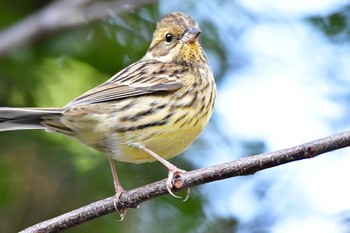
{"x":64,"y":75}
{"x":44,"y":175}
{"x":335,"y":25}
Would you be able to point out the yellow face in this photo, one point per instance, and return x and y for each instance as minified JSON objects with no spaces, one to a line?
{"x":175,"y":40}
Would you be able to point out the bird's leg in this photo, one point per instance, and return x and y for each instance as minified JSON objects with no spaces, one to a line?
{"x":172,"y":174}
{"x":118,"y":189}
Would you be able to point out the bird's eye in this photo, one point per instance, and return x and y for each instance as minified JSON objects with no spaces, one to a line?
{"x":169,"y":37}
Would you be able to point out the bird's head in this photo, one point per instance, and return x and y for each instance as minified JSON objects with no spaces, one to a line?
{"x":176,"y":39}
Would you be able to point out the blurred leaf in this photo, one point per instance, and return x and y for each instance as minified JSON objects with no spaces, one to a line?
{"x":64,"y":75}
{"x":334,"y":25}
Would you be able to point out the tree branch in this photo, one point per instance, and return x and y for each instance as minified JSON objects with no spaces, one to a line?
{"x":59,"y":15}
{"x":242,"y":167}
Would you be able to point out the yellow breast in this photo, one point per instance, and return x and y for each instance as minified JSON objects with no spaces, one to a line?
{"x":166,"y":124}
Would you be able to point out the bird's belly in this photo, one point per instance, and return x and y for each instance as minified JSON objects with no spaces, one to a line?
{"x":122,"y":135}
{"x":166,"y":144}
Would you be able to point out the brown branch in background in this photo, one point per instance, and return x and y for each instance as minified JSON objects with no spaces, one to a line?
{"x":59,"y":15}
{"x":241,"y":167}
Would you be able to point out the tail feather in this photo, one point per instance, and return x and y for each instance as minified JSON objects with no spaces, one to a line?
{"x":25,"y":118}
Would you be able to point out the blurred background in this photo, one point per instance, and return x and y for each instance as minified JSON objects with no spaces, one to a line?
{"x":283,"y":74}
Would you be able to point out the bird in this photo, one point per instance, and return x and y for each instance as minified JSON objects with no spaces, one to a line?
{"x":152,"y":110}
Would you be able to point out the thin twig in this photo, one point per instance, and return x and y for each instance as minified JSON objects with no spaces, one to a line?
{"x":241,"y":167}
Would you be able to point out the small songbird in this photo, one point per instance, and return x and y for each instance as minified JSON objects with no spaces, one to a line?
{"x":152,"y":110}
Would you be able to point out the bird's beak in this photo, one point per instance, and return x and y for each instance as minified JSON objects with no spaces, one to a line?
{"x":191,"y":35}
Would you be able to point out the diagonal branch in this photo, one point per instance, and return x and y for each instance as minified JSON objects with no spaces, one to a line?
{"x":58,"y":15}
{"x":241,"y":167}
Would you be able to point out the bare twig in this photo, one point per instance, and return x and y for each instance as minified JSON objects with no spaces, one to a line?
{"x":59,"y":15}
{"x":241,"y":167}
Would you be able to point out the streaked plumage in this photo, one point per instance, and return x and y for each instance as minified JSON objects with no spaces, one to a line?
{"x":162,"y":102}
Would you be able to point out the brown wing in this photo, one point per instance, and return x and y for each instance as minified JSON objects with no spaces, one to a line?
{"x":140,"y":78}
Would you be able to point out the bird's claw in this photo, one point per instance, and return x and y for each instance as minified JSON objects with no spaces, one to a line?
{"x":122,"y":212}
{"x":173,"y":176}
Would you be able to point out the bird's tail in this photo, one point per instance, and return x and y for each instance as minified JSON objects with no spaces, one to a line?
{"x":25,"y":118}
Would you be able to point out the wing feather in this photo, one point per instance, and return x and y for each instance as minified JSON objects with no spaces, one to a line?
{"x":140,"y":78}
